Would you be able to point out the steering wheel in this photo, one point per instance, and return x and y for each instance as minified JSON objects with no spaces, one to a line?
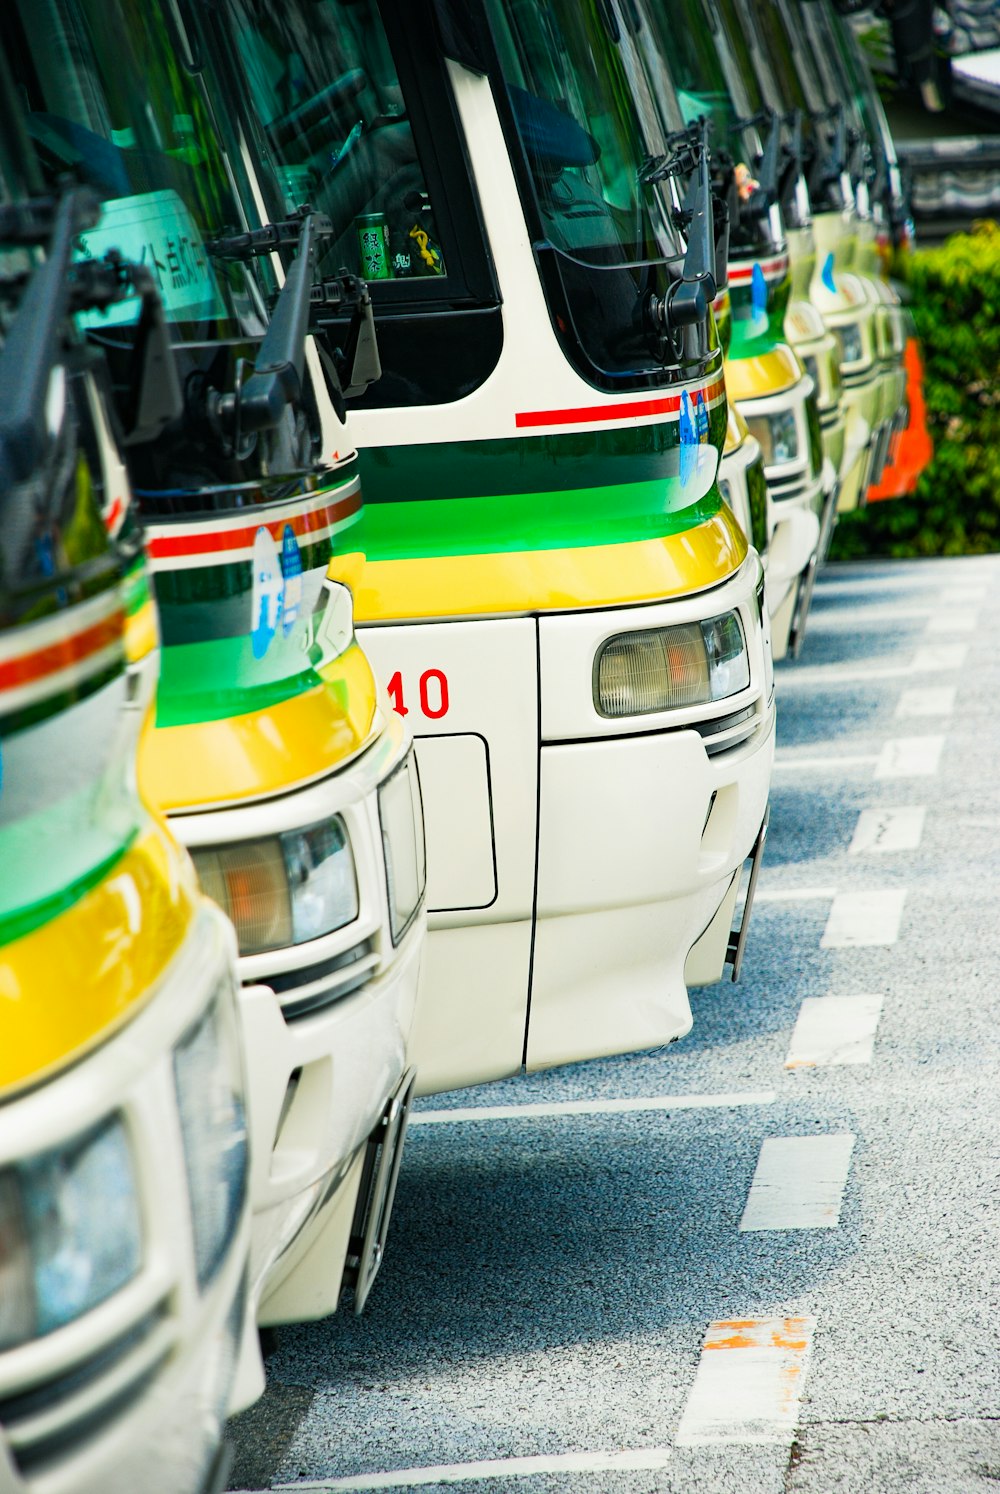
{"x":317,"y":110}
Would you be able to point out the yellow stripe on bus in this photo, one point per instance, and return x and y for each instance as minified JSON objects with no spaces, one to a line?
{"x":551,"y":580}
{"x":262,"y":752}
{"x":67,"y":986}
{"x":762,"y":375}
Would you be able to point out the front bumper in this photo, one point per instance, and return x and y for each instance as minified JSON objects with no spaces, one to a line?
{"x":326,"y":1024}
{"x":133,"y":1395}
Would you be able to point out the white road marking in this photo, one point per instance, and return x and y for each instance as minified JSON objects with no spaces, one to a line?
{"x":792,"y":894}
{"x":936,"y":700}
{"x":833,"y":1030}
{"x":859,"y":919}
{"x":961,"y":596}
{"x":799,"y":1183}
{"x":750,"y":1377}
{"x":825,"y":764}
{"x":625,"y":1106}
{"x":935,"y":656}
{"x":932,"y":658}
{"x":637,"y":1460}
{"x":881,"y":830}
{"x":910,"y":757}
{"x":950,"y":622}
{"x":852,"y":619}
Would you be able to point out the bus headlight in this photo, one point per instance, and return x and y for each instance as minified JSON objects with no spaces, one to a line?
{"x":285,"y":890}
{"x":70,"y":1232}
{"x":663,"y":668}
{"x":778,"y":435}
{"x":400,"y":811}
{"x":850,"y":345}
{"x":208,"y":1076}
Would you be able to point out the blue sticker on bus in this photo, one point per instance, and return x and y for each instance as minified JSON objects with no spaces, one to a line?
{"x":689,"y":440}
{"x":268,"y":599}
{"x":827,"y":275}
{"x":758,"y":300}
{"x":291,"y":570}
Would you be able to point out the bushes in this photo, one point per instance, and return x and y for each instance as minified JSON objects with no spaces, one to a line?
{"x":955,"y":293}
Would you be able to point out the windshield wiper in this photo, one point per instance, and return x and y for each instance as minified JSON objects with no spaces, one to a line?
{"x":828,"y":169}
{"x":765,"y":194}
{"x":259,"y":402}
{"x":689,"y":299}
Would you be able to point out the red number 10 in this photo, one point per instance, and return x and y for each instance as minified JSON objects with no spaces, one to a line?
{"x":433,"y":686}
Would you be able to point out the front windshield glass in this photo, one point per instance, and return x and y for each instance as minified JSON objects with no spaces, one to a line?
{"x":589,"y":128}
{"x":587,"y":124}
{"x":108,"y":103}
{"x":330,"y":127}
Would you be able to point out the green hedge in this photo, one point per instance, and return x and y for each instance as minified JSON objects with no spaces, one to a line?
{"x":955,"y":293}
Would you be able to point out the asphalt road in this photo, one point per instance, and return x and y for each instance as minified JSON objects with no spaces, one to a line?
{"x":779,"y":1271}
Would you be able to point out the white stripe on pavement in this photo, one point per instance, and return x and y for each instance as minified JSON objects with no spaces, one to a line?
{"x":934,"y":656}
{"x":863,"y":918}
{"x":909,"y":757}
{"x":825,"y":764}
{"x":961,"y":596}
{"x":799,"y":1183}
{"x":750,"y":1377}
{"x":833,"y":1030}
{"x":950,"y":622}
{"x":637,"y":1460}
{"x":792,"y":894}
{"x":881,"y":830}
{"x":934,"y":700}
{"x":625,"y":1106}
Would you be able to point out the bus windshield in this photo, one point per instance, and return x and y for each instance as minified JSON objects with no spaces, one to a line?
{"x":587,"y":129}
{"x":110,"y":104}
{"x":330,"y":127}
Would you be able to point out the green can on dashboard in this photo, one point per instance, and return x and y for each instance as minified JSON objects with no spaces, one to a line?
{"x":373,"y":245}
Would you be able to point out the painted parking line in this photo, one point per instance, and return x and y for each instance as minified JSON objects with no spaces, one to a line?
{"x":961,"y":596}
{"x":859,"y":919}
{"x":637,"y":1460}
{"x":883,"y":830}
{"x":799,"y":1183}
{"x":750,"y":1377}
{"x":825,"y":764}
{"x":834,"y":1030}
{"x":937,"y":656}
{"x":628,"y":1105}
{"x":909,"y":757}
{"x":932,"y":658}
{"x":932,"y":700}
{"x":792,"y":894}
{"x":950,"y":622}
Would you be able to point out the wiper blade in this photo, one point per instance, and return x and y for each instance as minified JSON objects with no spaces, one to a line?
{"x":259,"y":402}
{"x":31,"y":350}
{"x":257,"y":241}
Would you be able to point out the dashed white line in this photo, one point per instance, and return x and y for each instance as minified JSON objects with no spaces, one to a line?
{"x":825,"y":764}
{"x":859,"y":919}
{"x":799,"y":1183}
{"x":936,"y":656}
{"x":750,"y":1377}
{"x":933,"y":700}
{"x":793,"y":894}
{"x":883,"y":830}
{"x":950,"y":622}
{"x":637,"y":1460}
{"x":909,"y":757}
{"x":630,"y":1104}
{"x":834,"y":1030}
{"x":961,"y":596}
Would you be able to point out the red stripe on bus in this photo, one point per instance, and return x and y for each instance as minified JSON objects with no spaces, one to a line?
{"x":167,"y":546}
{"x":624,"y":411}
{"x":28,"y":668}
